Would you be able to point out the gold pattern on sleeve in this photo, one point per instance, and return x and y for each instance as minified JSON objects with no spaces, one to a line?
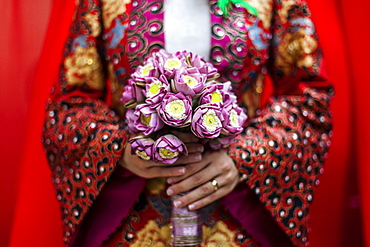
{"x":264,"y":9}
{"x":295,"y":50}
{"x":111,"y":9}
{"x":94,"y":23}
{"x":153,"y":235}
{"x":84,"y":68}
{"x":218,"y":236}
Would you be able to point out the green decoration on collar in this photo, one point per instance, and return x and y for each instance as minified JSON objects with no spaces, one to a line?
{"x":224,"y":4}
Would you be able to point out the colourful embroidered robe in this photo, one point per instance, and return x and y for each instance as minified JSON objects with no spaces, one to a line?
{"x":281,"y":151}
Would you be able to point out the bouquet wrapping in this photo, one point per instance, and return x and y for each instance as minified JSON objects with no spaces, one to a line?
{"x":179,"y":91}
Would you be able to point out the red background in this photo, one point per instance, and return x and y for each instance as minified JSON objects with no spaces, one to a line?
{"x":29,"y":214}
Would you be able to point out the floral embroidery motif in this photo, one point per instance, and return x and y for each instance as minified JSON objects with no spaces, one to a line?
{"x":84,"y":68}
{"x":218,"y":235}
{"x":94,"y":23}
{"x":264,"y":9}
{"x":286,"y":5}
{"x":258,"y":37}
{"x":116,"y":34}
{"x":111,"y":9}
{"x":296,"y":50}
{"x":153,"y":235}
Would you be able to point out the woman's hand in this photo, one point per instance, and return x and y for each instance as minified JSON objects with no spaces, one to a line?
{"x":151,"y":169}
{"x":215,"y":165}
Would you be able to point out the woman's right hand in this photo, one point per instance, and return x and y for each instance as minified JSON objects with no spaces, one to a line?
{"x":151,"y":169}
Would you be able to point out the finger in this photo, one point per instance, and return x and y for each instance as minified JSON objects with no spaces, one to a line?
{"x":195,"y":147}
{"x":194,"y":199}
{"x":193,"y":181}
{"x":208,"y":199}
{"x":191,"y":169}
{"x":201,"y":196}
{"x":161,"y":171}
{"x":191,"y":158}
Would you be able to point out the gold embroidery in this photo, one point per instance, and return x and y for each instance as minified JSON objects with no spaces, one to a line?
{"x":296,"y":50}
{"x":154,"y":236}
{"x":283,"y":11}
{"x":84,"y":67}
{"x":218,"y":236}
{"x":156,"y":185}
{"x":94,"y":24}
{"x":111,"y":9}
{"x":264,"y":9}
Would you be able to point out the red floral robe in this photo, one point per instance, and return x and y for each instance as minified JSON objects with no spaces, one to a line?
{"x":281,"y":151}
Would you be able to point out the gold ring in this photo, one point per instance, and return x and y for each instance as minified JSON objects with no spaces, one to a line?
{"x":215,"y":184}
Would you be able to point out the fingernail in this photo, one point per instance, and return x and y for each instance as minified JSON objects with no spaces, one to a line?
{"x":182,"y":170}
{"x":177,"y":204}
{"x":170,"y":180}
{"x":197,"y":157}
{"x":200,"y":149}
{"x":191,"y":206}
{"x":170,"y":192}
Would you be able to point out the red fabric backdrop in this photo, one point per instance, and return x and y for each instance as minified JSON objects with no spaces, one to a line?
{"x":29,"y":214}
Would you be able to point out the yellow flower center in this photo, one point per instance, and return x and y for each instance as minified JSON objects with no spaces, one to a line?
{"x":211,"y":121}
{"x":173,"y":63}
{"x":191,"y":81}
{"x":216,"y":97}
{"x":176,"y":109}
{"x":142,"y":154}
{"x":154,"y":89}
{"x":144,"y":71}
{"x":234,"y":118}
{"x":167,"y":154}
{"x":145,"y":119}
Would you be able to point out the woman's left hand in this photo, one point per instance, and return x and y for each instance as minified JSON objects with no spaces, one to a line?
{"x":213,"y":177}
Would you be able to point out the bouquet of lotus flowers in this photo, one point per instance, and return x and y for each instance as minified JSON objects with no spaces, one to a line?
{"x":179,"y":91}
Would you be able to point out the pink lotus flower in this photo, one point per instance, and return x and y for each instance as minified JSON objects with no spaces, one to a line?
{"x":149,"y":69}
{"x":218,"y":94}
{"x":175,"y":110}
{"x":146,"y":119}
{"x":207,"y":121}
{"x":142,"y":147}
{"x":168,"y":148}
{"x":156,"y":89}
{"x":169,"y":64}
{"x":132,"y":95}
{"x":201,"y":64}
{"x":131,"y":119}
{"x":234,"y":118}
{"x":189,"y":82}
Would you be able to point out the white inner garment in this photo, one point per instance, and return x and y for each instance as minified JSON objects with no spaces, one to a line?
{"x":187,"y":25}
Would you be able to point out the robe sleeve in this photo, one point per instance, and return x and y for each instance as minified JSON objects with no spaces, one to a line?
{"x":83,"y":137}
{"x":283,"y":148}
